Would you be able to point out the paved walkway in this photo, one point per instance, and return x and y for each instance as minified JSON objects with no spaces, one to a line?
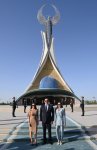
{"x":73,"y":145}
{"x":88,"y":122}
{"x":7,"y":122}
{"x":74,"y":141}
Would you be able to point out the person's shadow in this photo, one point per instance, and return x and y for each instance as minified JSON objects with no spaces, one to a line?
{"x":92,"y":130}
{"x":91,"y":115}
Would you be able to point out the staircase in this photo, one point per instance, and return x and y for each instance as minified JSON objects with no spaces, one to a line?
{"x":21,"y":133}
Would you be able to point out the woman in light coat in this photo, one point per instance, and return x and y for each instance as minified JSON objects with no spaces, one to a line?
{"x":60,"y":122}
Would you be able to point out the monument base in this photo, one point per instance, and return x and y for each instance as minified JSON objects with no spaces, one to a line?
{"x":54,"y":96}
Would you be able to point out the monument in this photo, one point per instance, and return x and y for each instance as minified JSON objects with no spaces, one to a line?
{"x":48,"y":81}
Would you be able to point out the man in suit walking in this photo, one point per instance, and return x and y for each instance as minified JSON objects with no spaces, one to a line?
{"x":47,"y":118}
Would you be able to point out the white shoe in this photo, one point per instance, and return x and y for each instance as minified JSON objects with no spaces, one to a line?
{"x":60,"y":142}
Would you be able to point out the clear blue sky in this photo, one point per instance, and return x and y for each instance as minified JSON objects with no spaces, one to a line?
{"x":21,"y":44}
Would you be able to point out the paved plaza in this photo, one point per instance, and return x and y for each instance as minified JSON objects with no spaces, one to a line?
{"x":80,"y":132}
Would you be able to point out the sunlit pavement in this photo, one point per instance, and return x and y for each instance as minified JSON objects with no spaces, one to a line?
{"x":74,"y":139}
{"x":16,"y":131}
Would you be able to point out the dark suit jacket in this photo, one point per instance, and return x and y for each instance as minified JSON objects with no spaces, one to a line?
{"x":14,"y":104}
{"x":47,"y":116}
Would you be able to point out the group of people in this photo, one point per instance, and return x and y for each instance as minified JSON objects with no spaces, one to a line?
{"x":47,"y":116}
{"x":81,"y":105}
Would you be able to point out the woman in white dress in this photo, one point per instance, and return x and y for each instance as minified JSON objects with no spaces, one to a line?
{"x":60,"y":122}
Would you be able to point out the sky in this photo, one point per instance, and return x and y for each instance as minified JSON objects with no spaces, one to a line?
{"x":75,"y":44}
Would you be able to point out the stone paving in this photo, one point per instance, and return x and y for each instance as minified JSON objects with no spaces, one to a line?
{"x":9,"y":123}
{"x":73,"y":145}
{"x":73,"y":139}
{"x":88,"y":122}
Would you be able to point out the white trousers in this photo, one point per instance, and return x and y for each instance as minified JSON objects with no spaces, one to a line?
{"x":59,"y":132}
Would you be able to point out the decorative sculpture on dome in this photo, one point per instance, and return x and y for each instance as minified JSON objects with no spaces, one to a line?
{"x":49,"y":22}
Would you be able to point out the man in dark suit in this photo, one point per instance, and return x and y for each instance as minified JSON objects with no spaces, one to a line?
{"x":71,"y":105}
{"x":82,"y":106}
{"x":47,"y":118}
{"x":14,"y":104}
{"x":25,"y":105}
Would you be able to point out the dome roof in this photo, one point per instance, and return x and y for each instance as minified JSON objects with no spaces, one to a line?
{"x":48,"y":83}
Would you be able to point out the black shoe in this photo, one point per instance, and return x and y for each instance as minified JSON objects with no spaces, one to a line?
{"x":14,"y":116}
{"x":50,"y":141}
{"x":44,"y":142}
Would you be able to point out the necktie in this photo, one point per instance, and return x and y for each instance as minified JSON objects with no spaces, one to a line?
{"x":46,"y":107}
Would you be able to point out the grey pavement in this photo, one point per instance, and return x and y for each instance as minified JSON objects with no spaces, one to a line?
{"x":88,"y":122}
{"x":15,"y":130}
{"x":9,"y":123}
{"x":72,"y":145}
